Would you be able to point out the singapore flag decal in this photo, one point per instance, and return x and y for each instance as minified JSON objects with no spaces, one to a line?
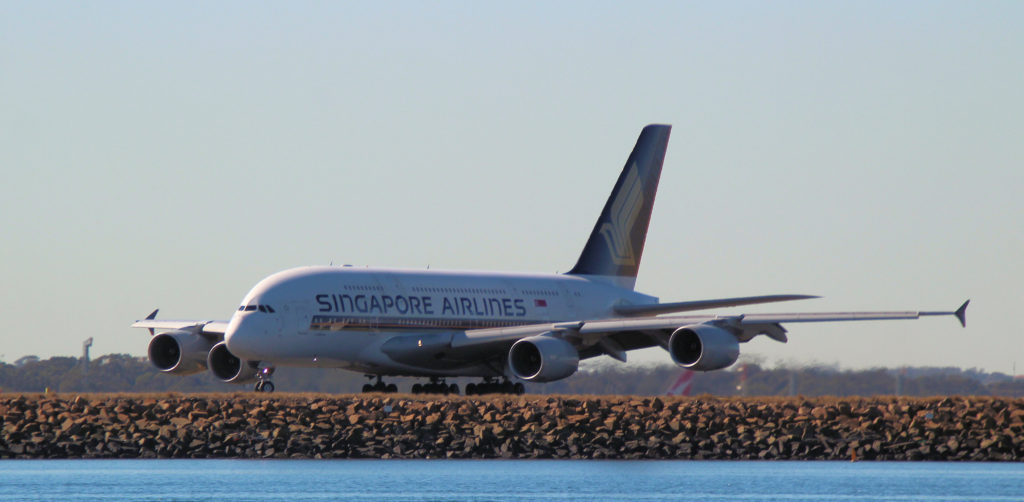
{"x":540,"y":303}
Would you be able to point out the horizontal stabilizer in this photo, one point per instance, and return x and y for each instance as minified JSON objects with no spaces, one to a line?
{"x":664,"y":308}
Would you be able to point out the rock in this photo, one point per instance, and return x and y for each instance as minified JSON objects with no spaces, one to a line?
{"x":511,"y":427}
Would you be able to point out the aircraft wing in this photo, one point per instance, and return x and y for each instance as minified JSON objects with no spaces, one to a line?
{"x":616,"y":336}
{"x":202,"y":327}
{"x":665,"y":308}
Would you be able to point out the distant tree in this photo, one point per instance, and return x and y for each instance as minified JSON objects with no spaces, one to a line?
{"x":1007,"y":387}
{"x":125,"y":373}
{"x":944,"y":385}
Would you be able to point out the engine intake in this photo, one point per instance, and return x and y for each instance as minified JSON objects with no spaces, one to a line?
{"x":229,"y":368}
{"x":543,"y":359}
{"x":703,"y":347}
{"x":179,"y":352}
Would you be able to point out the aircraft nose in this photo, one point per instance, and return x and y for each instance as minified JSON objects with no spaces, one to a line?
{"x":243,"y":338}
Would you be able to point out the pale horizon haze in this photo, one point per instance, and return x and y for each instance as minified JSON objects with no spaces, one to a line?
{"x":172,"y":154}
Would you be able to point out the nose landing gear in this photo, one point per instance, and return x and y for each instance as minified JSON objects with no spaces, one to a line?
{"x":263,"y":383}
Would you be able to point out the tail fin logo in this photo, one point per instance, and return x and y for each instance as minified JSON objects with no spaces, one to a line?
{"x":624,"y":211}
{"x":616,"y":243}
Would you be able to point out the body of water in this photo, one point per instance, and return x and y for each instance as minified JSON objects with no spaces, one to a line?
{"x":478,"y":480}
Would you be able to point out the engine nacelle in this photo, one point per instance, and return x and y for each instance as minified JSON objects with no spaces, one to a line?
{"x":229,"y":368}
{"x":703,"y":347}
{"x":179,"y":352}
{"x":543,"y":359}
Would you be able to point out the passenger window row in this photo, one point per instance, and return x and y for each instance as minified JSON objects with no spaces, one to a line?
{"x":484,"y":291}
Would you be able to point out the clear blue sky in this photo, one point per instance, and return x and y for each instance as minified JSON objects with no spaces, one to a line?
{"x":172,"y":154}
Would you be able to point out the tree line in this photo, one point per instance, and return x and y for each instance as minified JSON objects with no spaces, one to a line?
{"x":125,"y":373}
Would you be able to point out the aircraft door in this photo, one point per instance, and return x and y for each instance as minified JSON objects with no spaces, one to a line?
{"x":303,"y":317}
{"x":572,"y":296}
{"x":297,"y":316}
{"x":276,"y":324}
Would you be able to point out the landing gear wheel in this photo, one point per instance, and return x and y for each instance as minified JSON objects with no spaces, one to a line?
{"x":491,"y":385}
{"x":436,"y":385}
{"x":263,"y":383}
{"x":379,"y":385}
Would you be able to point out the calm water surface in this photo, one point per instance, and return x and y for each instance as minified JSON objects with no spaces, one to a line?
{"x":473,"y":480}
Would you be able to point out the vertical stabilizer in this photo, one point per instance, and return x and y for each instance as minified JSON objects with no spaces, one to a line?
{"x":617,"y":241}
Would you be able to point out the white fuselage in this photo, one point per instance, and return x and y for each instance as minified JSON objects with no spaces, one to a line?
{"x":341,"y":316}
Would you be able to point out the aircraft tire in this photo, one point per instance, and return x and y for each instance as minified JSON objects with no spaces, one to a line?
{"x":519,"y":388}
{"x":392,"y":388}
{"x":470,"y":389}
{"x":453,"y":389}
{"x":268,"y":387}
{"x":367,"y":388}
{"x":417,"y":388}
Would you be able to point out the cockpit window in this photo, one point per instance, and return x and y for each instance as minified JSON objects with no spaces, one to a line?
{"x":262,"y":308}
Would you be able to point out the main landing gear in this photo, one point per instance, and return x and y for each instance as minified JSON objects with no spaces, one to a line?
{"x":436,"y":386}
{"x":379,"y":386}
{"x":263,"y":383}
{"x":493,"y":386}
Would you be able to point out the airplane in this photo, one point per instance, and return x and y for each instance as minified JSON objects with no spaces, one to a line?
{"x":505,"y":328}
{"x":682,"y":385}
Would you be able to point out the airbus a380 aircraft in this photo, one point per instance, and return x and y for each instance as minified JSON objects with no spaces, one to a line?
{"x":502,"y":327}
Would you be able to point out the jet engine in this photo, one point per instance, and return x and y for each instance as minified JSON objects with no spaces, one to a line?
{"x":225,"y":366}
{"x":703,"y":347}
{"x":543,"y":359}
{"x":179,"y":352}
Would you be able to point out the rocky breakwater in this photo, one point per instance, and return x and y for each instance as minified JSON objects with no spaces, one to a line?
{"x":320,"y":426}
